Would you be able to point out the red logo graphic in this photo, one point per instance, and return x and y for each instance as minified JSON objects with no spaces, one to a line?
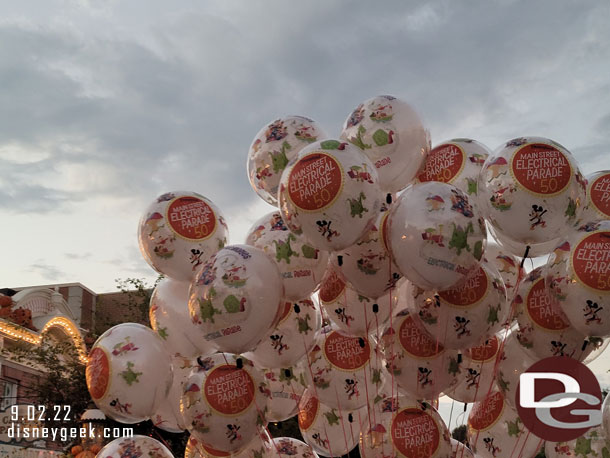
{"x":470,"y":292}
{"x":484,"y":414}
{"x":308,"y":412}
{"x":559,"y":399}
{"x":229,"y":390}
{"x":415,"y":433}
{"x":540,"y":309}
{"x":416,"y":341}
{"x":485,"y":352}
{"x":332,"y":287}
{"x":345,"y":352}
{"x":591,"y":261}
{"x":443,"y":163}
{"x":191,"y":218}
{"x":97,"y":373}
{"x":315,"y":181}
{"x":541,"y":169}
{"x":600,"y":194}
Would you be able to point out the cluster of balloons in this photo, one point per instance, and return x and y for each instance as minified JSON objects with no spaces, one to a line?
{"x":370,"y":291}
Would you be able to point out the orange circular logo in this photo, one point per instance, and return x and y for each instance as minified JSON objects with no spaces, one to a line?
{"x":591,"y":261}
{"x":191,"y":218}
{"x":415,"y":341}
{"x":345,"y":352}
{"x":383,"y":231}
{"x":331,"y":288}
{"x":541,"y":311}
{"x":443,"y":163}
{"x":541,"y":169}
{"x":315,"y":182}
{"x":307,"y":414}
{"x":470,"y":292}
{"x":484,"y":414}
{"x":229,"y":390}
{"x":600,"y":194}
{"x":415,"y":433}
{"x":97,"y":373}
{"x":485,"y":352}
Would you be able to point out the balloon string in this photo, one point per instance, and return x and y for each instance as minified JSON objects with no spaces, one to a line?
{"x":527,"y":251}
{"x":342,"y":420}
{"x":451,"y":414}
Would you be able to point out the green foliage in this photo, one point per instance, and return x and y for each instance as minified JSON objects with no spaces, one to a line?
{"x":459,"y":434}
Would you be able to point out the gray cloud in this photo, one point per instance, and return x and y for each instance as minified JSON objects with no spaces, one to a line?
{"x":46,"y":271}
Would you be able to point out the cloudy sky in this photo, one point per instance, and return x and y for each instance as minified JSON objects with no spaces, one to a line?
{"x":106,"y":104}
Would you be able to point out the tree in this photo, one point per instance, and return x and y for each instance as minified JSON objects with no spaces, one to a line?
{"x":459,"y":434}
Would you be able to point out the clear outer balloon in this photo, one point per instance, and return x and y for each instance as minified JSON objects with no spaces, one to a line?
{"x":509,"y":268}
{"x":463,"y":317}
{"x":273,"y":147}
{"x":261,"y":446}
{"x":598,"y":197}
{"x":170,"y":318}
{"x":495,"y":430}
{"x":342,"y":370}
{"x":301,"y":265}
{"x":459,"y":450}
{"x":291,"y":338}
{"x":531,"y":190}
{"x":236,"y":298}
{"x":519,"y":249}
{"x":128,"y":372}
{"x":135,"y":446}
{"x":288,"y":446}
{"x":544,"y":330}
{"x":223,"y":404}
{"x":287,"y":386}
{"x":457,"y":162}
{"x":328,"y":430}
{"x":594,"y":443}
{"x":606,"y":416}
{"x":512,"y":363}
{"x":179,"y":231}
{"x":165,"y":419}
{"x":477,"y":375}
{"x":578,"y":278}
{"x":421,"y":367}
{"x":404,"y":427}
{"x":435,"y":235}
{"x":391,"y":134}
{"x":330,"y":193}
{"x":354,"y":313}
{"x":367,"y":265}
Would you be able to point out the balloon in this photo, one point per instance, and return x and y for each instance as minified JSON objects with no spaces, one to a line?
{"x":327,"y":430}
{"x":459,"y":450}
{"x":165,"y":419}
{"x":544,"y":330}
{"x":592,"y":443}
{"x":179,"y":231}
{"x":353,"y":313}
{"x":223,"y":403}
{"x":367,"y":265}
{"x":509,"y":268}
{"x":135,"y":446}
{"x":531,"y":190}
{"x":300,"y":264}
{"x":457,"y":162}
{"x":606,"y":416}
{"x":391,"y":134}
{"x":287,"y":386}
{"x":170,"y":318}
{"x":128,"y":372}
{"x":236,"y":298}
{"x":402,"y":427}
{"x":597,"y":206}
{"x":261,"y":446}
{"x":511,"y":364}
{"x":342,"y":371}
{"x":330,"y":193}
{"x":421,"y":367}
{"x":283,"y":446}
{"x":495,"y":430}
{"x":435,"y":235}
{"x":577,"y":278}
{"x":273,"y":147}
{"x":463,"y":316}
{"x":291,"y":338}
{"x":477,"y":375}
{"x":511,"y":247}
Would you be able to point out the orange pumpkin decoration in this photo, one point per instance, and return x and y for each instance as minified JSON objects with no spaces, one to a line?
{"x":95,"y":448}
{"x":6,"y":301}
{"x":75,"y":450}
